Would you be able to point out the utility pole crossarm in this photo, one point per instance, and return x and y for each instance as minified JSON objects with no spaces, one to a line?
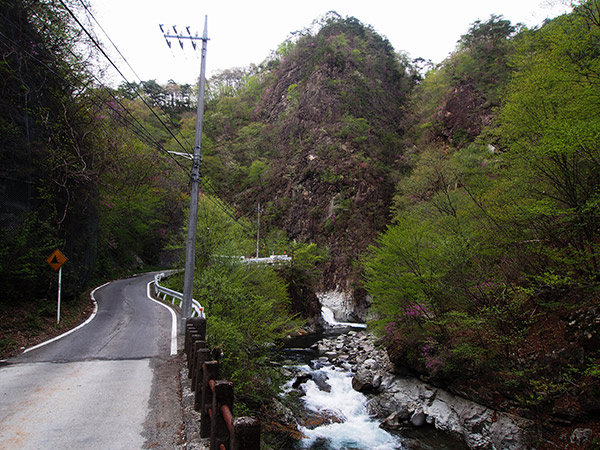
{"x":181,"y":37}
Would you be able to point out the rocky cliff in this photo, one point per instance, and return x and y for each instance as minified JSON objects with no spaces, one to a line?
{"x":330,"y":144}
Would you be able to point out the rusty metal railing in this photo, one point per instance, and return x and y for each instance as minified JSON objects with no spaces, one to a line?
{"x":213,"y":398}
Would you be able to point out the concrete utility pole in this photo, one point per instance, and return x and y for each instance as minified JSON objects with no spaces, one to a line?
{"x":190,"y":248}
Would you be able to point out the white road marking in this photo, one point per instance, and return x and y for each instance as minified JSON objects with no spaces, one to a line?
{"x":74,"y":329}
{"x":173,"y":320}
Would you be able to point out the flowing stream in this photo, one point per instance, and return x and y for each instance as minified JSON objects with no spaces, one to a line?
{"x":356,"y":430}
{"x":343,"y":422}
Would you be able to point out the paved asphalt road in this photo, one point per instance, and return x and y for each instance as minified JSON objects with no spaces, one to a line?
{"x":97,"y":388}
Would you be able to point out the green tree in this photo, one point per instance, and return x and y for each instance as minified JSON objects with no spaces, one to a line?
{"x":550,"y":128}
{"x":247,"y":306}
{"x":46,"y":163}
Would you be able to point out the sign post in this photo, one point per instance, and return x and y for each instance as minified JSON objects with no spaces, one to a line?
{"x":56,"y":261}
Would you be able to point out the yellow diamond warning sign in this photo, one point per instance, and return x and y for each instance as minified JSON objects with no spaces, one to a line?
{"x":56,"y":259}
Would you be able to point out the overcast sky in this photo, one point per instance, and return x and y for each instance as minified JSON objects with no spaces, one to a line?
{"x":245,"y":32}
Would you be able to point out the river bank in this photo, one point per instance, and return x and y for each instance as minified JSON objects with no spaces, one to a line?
{"x":337,"y":411}
{"x":404,"y":403}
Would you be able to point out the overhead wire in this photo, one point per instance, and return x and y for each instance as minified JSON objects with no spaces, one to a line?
{"x":217,"y":201}
{"x":99,"y":47}
{"x":214,"y":198}
{"x":134,"y":124}
{"x":91,"y":14}
{"x":148,"y":136}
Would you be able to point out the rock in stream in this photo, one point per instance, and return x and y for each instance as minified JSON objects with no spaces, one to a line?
{"x":407,"y":401}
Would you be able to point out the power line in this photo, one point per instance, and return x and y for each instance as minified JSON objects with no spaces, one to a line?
{"x":215,"y":199}
{"x":108,"y":37}
{"x":134,"y":124}
{"x":97,"y":44}
{"x":91,"y":14}
{"x":219,"y":203}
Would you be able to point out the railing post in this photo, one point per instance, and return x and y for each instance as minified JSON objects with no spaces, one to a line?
{"x":202,"y":356}
{"x":189,"y":330}
{"x":200,"y":324}
{"x":197,"y":343}
{"x":210,"y":371}
{"x":195,"y":325}
{"x":219,"y":429}
{"x":198,"y":346}
{"x":245,"y":434}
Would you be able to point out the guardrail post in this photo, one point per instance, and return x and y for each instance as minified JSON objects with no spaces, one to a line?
{"x":245,"y":434}
{"x":194,"y":337}
{"x":195,"y":325}
{"x":219,"y":429}
{"x":200,"y":325}
{"x":210,"y":370}
{"x":203,"y":355}
{"x":196,"y":342}
{"x":197,"y":346}
{"x":189,"y":330}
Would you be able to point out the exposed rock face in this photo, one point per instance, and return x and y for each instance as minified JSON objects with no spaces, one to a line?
{"x":339,"y":302}
{"x":464,"y":114}
{"x":403,"y":400}
{"x":332,"y":119}
{"x":480,"y":427}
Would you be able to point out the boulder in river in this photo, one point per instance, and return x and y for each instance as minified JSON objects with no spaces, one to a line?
{"x":405,"y":400}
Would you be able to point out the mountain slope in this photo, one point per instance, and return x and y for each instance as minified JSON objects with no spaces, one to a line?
{"x":327,"y":146}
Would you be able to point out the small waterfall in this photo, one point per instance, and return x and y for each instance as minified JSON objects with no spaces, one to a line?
{"x":329,"y":392}
{"x":337,"y":417}
{"x":329,"y":318}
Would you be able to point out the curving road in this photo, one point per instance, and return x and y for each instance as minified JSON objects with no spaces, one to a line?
{"x":111,"y":384}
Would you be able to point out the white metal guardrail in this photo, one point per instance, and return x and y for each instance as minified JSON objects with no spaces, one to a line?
{"x":197,"y":309}
{"x":273,"y":259}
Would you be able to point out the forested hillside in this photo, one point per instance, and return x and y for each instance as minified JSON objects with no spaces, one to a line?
{"x":315,"y":136}
{"x":460,"y":203}
{"x":83,"y":168}
{"x":486,"y":281}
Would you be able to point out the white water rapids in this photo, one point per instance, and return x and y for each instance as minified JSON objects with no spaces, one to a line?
{"x":356,"y":430}
{"x":328,"y":393}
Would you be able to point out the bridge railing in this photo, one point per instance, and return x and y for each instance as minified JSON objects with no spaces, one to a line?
{"x":213,"y":398}
{"x":274,"y":260}
{"x":197,"y":309}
